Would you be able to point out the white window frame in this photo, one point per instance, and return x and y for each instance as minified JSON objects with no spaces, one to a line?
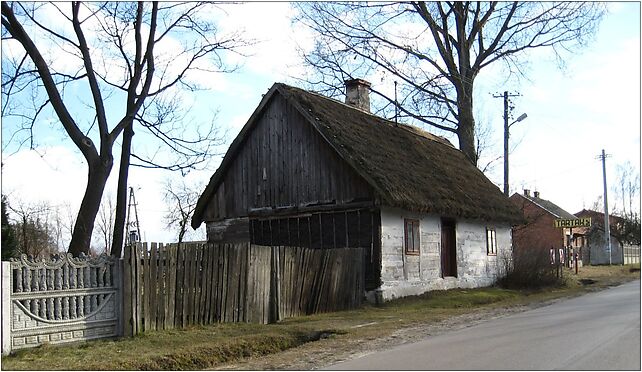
{"x":491,"y":241}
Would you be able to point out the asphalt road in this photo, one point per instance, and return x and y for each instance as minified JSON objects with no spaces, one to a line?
{"x":597,"y":331}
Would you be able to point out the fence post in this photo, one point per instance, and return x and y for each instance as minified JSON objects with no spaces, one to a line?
{"x":7,"y":316}
{"x":120,"y":302}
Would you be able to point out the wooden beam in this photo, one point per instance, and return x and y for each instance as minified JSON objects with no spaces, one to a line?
{"x":305,"y":208}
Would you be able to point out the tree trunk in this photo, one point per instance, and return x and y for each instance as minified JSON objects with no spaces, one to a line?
{"x":466,"y":128}
{"x":121,"y":195}
{"x":81,"y":236}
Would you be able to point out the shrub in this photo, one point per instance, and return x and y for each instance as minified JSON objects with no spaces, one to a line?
{"x":528,"y":269}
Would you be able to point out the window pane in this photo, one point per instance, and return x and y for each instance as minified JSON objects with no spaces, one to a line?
{"x":416,"y":237}
{"x":491,"y":241}
{"x":411,"y":236}
{"x":494,"y":241}
{"x":488,"y":240}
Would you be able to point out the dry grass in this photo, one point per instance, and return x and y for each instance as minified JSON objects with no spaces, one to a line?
{"x":220,"y":345}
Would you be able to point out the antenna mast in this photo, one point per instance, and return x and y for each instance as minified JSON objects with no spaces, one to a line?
{"x":133,"y":227}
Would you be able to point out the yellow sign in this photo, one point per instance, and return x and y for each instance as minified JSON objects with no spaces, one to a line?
{"x":578,"y":222}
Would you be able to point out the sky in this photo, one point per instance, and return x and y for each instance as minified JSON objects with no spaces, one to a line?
{"x":593,"y":104}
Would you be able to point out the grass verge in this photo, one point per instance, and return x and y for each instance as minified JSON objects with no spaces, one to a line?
{"x":215,"y":345}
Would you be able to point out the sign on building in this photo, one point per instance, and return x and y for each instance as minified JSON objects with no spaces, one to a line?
{"x":576,"y":222}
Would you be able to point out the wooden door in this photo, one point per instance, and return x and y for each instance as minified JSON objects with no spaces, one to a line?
{"x":448,"y":249}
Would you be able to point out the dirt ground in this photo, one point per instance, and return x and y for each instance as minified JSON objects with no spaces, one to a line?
{"x":334,"y":349}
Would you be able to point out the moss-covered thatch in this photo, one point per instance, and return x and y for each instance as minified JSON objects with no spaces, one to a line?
{"x":408,"y":167}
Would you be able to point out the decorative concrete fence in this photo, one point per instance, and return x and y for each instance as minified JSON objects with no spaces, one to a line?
{"x":165,"y":286}
{"x":62,"y":299}
{"x":631,"y":254}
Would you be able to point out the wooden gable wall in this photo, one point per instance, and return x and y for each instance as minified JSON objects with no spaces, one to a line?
{"x":284,"y":162}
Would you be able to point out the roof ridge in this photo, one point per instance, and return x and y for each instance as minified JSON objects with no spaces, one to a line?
{"x":430,"y":136}
{"x":531,"y":199}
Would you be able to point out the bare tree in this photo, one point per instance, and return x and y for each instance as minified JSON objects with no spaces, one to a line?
{"x":483,"y":147}
{"x":105,"y":224}
{"x":180,"y":199}
{"x":134,"y":59}
{"x":627,"y":189}
{"x":436,"y":50}
{"x":10,"y":248}
{"x":34,"y":228}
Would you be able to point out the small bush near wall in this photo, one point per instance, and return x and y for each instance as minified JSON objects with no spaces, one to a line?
{"x":528,"y":269}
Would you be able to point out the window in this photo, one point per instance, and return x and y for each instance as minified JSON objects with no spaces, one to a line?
{"x":411,"y":236}
{"x":491,"y":242}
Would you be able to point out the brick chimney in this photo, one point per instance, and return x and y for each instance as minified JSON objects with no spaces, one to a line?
{"x":536,"y":194}
{"x":527,"y":192}
{"x":358,"y":94}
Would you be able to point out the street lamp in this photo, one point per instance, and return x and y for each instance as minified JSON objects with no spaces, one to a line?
{"x":506,"y":131}
{"x":520,"y":118}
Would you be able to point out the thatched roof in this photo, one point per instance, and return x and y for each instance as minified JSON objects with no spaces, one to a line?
{"x":408,"y":167}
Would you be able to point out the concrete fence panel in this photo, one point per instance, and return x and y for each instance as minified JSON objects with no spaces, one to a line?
{"x":61,"y":299}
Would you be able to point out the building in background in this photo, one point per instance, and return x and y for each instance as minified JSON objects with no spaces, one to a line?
{"x":623,"y":249}
{"x":538,"y":235}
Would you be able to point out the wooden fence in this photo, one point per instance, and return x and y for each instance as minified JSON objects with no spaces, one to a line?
{"x":174,"y":286}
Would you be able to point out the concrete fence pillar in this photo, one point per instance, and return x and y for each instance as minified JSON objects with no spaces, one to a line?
{"x":6,"y":308}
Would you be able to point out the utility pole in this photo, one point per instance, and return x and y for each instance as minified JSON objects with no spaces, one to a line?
{"x":507,"y":109}
{"x":607,"y":229}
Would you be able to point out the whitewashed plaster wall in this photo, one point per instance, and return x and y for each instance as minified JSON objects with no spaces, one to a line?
{"x":407,"y":275}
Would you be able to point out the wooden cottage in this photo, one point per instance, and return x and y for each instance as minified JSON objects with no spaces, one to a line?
{"x":312,"y":172}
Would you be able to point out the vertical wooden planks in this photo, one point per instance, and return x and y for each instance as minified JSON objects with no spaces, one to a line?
{"x":139,"y":272}
{"x":172,"y":251}
{"x":223,"y":274}
{"x":169,"y":286}
{"x":191,"y":284}
{"x":202,"y":282}
{"x":233,"y":278}
{"x":185,"y":284}
{"x":242,"y":274}
{"x":180,"y":285}
{"x":207,"y":284}
{"x":266,"y":276}
{"x":163,"y":274}
{"x":128,"y":282}
{"x":215,"y":308}
{"x":160,"y":274}
{"x":146,"y":290}
{"x":153,"y":288}
{"x":197,"y":283}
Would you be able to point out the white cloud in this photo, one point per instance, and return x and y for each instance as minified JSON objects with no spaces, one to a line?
{"x":269,"y":24}
{"x":58,"y":176}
